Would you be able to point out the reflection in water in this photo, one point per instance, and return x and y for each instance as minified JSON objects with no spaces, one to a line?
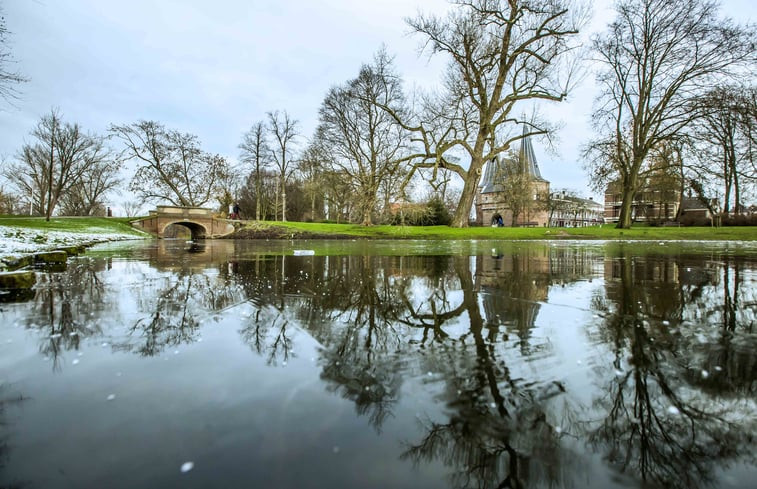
{"x":7,"y":399}
{"x":65,"y":304}
{"x":667,"y":398}
{"x":671,"y":415}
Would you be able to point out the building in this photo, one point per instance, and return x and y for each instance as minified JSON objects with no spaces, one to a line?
{"x":649,"y":204}
{"x":491,"y":202}
{"x":566,"y":210}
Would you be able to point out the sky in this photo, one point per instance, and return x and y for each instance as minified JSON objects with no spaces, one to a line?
{"x":214,"y":68}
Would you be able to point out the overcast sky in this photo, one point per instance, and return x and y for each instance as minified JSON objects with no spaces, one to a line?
{"x":212,"y":68}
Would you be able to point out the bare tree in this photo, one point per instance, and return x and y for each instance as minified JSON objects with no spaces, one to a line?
{"x":98,"y":177}
{"x":132,"y":208}
{"x":284,"y":132}
{"x":8,"y":77}
{"x":53,"y":163}
{"x":311,"y":168}
{"x":366,"y":144}
{"x":655,"y":57}
{"x":171,"y":165}
{"x":723,"y":141}
{"x":256,"y":152}
{"x":9,"y":202}
{"x":504,"y":57}
{"x":249,"y":198}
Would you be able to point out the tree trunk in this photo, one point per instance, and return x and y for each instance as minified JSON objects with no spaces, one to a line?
{"x":258,"y":201}
{"x":462,"y":212}
{"x":624,"y":220}
{"x":367,"y":221}
{"x":283,"y":201}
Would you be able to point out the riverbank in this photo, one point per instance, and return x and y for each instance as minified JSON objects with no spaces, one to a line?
{"x":23,"y":238}
{"x":305,"y":230}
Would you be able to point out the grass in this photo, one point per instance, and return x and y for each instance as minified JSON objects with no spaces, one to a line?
{"x":74,"y":224}
{"x":606,"y":232}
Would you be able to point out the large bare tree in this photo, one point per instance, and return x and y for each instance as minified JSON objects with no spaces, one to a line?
{"x":284,"y":131}
{"x":654,"y":58}
{"x":256,"y":153}
{"x":171,"y":166}
{"x":50,"y":165}
{"x":504,"y":56}
{"x":366,"y":144}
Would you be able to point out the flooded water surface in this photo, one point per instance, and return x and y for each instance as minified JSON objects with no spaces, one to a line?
{"x":373,"y":364}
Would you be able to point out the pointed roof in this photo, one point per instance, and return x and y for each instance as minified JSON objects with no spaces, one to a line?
{"x":527,"y":158}
{"x":527,"y":164}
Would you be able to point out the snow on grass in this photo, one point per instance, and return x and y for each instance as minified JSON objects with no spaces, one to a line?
{"x":18,"y":241}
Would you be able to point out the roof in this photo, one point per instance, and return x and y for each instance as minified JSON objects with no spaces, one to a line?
{"x":526,"y":163}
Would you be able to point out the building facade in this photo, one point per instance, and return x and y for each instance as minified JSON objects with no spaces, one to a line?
{"x":491,"y":205}
{"x":649,"y":204}
{"x":570,"y":211}
{"x":652,"y":204}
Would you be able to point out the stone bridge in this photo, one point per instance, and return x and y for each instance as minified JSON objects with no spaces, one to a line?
{"x":198,"y":220}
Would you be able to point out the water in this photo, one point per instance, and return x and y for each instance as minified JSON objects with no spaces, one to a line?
{"x":384,"y":364}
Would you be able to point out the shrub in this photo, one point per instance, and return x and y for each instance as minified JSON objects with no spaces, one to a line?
{"x":432,"y":213}
{"x":739,"y":220}
{"x":694,"y":220}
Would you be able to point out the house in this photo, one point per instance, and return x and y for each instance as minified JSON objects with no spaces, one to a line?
{"x":566,"y":210}
{"x":650,"y":203}
{"x":654,"y":204}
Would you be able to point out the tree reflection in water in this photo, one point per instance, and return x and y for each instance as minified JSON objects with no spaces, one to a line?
{"x":173,"y":305}
{"x":672,"y":404}
{"x":67,"y":305}
{"x":7,"y":399}
{"x":658,"y":421}
{"x":380,"y":318}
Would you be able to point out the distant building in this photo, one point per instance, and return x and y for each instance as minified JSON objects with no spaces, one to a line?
{"x":490,"y":202}
{"x":566,"y":210}
{"x":653,"y":204}
{"x":649,"y":203}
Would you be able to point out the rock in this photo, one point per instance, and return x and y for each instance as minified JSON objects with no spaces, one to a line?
{"x":17,"y":280}
{"x":72,"y":250}
{"x":16,"y":263}
{"x":51,"y":257}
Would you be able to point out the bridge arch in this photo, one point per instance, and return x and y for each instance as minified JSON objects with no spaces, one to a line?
{"x":197,"y":230}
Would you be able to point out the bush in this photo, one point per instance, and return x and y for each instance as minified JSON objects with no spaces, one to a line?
{"x":432,"y":213}
{"x":739,"y":220}
{"x":694,"y":220}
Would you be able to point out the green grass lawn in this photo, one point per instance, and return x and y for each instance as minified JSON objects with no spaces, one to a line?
{"x":74,"y":224}
{"x":607,"y":231}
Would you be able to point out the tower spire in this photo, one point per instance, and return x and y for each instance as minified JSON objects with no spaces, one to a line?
{"x":527,"y":157}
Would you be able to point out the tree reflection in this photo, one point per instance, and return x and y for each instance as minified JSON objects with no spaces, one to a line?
{"x":378,"y":318}
{"x":68,"y":306}
{"x":267,"y":334}
{"x":176,"y":304}
{"x":7,"y":399}
{"x":498,"y":434}
{"x":657,"y":424}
